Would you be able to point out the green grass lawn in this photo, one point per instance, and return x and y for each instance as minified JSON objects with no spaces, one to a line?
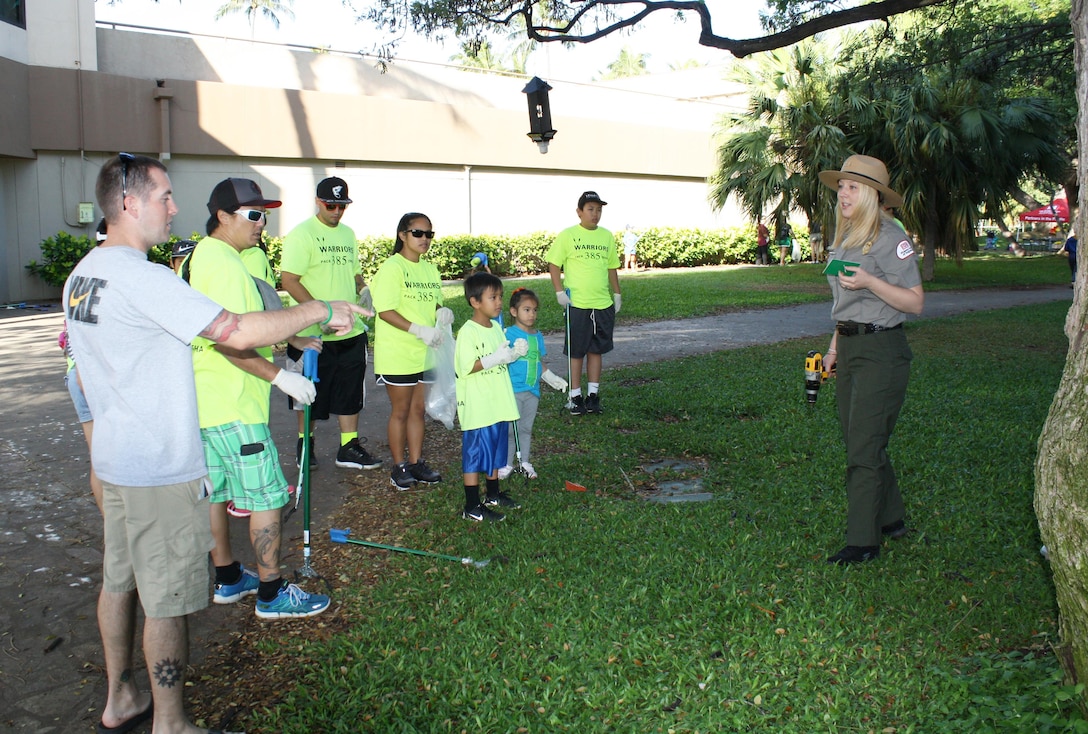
{"x":611,"y":613}
{"x":682,"y":293}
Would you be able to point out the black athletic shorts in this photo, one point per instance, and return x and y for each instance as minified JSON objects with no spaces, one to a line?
{"x":341,"y":369}
{"x":590,"y":331}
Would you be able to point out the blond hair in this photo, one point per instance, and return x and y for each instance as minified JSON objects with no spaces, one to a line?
{"x":862,"y":228}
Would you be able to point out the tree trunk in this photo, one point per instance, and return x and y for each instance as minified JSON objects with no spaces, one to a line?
{"x":931,"y":235}
{"x":1061,"y":472}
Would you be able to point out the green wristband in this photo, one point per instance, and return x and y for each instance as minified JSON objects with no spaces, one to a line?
{"x":328,"y":306}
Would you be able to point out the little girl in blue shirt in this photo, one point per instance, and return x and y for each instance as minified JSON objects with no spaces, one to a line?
{"x":526,"y":374}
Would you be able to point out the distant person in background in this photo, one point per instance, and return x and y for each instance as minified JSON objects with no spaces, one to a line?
{"x":762,"y":258}
{"x":816,"y":241}
{"x":630,"y":248}
{"x":1070,"y":249}
{"x":784,"y":237}
{"x":1014,"y":245}
{"x":479,"y":262}
{"x":991,"y":240}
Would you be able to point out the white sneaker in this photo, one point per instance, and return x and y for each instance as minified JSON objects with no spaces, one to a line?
{"x":529,"y":470}
{"x":506,"y":471}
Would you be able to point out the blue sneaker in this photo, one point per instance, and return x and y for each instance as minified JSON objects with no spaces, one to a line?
{"x":243,"y":587}
{"x":292,"y":601}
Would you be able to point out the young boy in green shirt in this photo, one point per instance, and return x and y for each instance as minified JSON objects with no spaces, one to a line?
{"x":485,"y":397}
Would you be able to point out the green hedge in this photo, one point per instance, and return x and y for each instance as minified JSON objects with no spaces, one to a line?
{"x":659,"y":247}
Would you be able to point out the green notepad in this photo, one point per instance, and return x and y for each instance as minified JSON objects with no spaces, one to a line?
{"x":834,"y":267}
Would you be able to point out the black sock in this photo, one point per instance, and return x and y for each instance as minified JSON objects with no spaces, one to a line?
{"x":268,"y":589}
{"x":228,"y":575}
{"x":472,"y":496}
{"x":492,"y":487}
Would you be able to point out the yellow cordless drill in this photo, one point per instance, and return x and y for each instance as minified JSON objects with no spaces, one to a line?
{"x":814,"y":375}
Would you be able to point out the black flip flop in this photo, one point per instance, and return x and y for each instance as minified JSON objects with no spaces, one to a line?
{"x":131,"y":724}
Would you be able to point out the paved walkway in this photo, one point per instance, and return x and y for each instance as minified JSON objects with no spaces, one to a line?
{"x":50,"y":536}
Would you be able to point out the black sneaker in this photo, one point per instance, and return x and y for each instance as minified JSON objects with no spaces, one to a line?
{"x":855,"y":554}
{"x":577,"y":405}
{"x":502,"y":499}
{"x":479,"y":513}
{"x":423,"y":473}
{"x":298,"y":454}
{"x":352,"y":455}
{"x":593,"y":403}
{"x":402,"y":478}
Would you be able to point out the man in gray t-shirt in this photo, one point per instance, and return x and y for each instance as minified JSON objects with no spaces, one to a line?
{"x":130,"y":323}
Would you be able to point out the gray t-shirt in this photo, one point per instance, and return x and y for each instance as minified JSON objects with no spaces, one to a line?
{"x":130,"y":322}
{"x":892,"y":259}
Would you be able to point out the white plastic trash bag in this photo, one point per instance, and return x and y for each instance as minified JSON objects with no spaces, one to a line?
{"x":442,"y":394}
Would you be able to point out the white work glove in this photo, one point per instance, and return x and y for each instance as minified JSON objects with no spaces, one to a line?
{"x":554,"y":381}
{"x":617,"y":299}
{"x":563,"y":298}
{"x":521,"y":347}
{"x":443,"y":317}
{"x":365,"y":300}
{"x":503,"y":355}
{"x":298,"y":387}
{"x":429,"y":335}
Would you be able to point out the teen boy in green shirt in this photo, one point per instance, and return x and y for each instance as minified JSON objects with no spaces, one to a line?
{"x":587,"y":257}
{"x":485,"y":397}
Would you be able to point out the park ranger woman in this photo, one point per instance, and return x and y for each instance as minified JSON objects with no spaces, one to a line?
{"x":874,"y":287}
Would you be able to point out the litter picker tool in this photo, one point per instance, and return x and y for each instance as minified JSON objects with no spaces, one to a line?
{"x":518,"y":470}
{"x":341,"y":536}
{"x":570,"y":376}
{"x":309,"y":369}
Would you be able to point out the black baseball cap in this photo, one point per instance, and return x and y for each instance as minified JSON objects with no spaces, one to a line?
{"x":182,"y":248}
{"x":333,"y":190}
{"x":588,"y":197}
{"x":230,"y":194}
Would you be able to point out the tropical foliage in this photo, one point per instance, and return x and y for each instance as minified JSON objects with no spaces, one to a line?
{"x":957,"y":134}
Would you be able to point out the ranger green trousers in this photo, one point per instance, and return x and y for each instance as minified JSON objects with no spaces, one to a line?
{"x":871,"y":384}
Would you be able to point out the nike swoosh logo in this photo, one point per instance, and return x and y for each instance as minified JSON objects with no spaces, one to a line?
{"x":74,"y":301}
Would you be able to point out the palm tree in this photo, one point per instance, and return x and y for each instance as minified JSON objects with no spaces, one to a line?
{"x":271,"y":10}
{"x":770,"y":154}
{"x":628,"y":63}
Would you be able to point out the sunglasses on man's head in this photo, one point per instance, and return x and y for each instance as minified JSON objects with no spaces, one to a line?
{"x":334,"y":207}
{"x":253,"y":215}
{"x":125,"y":158}
{"x":428,"y":233}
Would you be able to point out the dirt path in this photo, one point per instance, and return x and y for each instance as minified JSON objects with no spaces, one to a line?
{"x":50,"y":559}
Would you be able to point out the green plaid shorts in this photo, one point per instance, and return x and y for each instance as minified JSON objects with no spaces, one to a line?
{"x":244,"y":466}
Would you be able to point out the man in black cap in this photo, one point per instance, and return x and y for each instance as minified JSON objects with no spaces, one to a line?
{"x":320,"y":259}
{"x":232,"y":390}
{"x":588,"y":259}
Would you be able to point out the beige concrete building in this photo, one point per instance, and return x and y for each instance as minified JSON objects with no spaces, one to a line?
{"x":423,"y":137}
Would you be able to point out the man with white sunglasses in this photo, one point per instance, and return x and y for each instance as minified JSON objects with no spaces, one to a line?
{"x":320,"y":259}
{"x":232,"y":389}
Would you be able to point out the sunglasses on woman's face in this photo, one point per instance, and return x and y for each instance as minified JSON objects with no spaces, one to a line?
{"x":428,"y":233}
{"x":252,"y":215}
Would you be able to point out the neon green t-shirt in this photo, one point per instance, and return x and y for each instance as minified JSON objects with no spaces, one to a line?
{"x":486,"y":397}
{"x":326,"y":259}
{"x":256,"y":262}
{"x":224,"y":393}
{"x":414,"y":290}
{"x":586,"y":256}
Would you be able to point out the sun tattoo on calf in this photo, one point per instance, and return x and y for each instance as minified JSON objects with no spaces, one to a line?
{"x":168,"y":673}
{"x":222,"y":327}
